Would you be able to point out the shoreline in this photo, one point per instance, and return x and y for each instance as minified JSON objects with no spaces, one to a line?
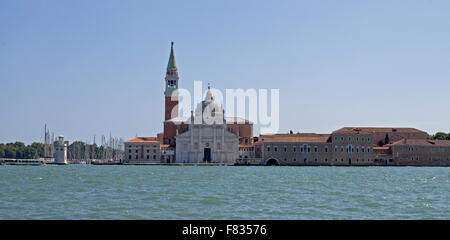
{"x":211,"y":165}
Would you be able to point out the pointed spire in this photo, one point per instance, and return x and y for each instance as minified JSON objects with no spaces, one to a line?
{"x":172,"y":65}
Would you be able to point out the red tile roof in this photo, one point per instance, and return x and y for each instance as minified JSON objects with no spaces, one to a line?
{"x":296,"y":137}
{"x":423,"y":142}
{"x":143,"y":140}
{"x":246,"y":145}
{"x":380,"y":148}
{"x":369,"y":130}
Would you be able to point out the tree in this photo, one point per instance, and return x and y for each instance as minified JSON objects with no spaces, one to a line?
{"x":38,"y":148}
{"x":440,"y":136}
{"x":386,"y":139}
{"x":380,"y":143}
{"x":30,"y":153}
{"x":19,"y":150}
{"x":10,"y":153}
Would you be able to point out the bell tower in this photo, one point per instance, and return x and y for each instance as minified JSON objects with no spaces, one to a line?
{"x":171,"y":101}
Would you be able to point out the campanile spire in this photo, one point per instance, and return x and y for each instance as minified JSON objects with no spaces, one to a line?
{"x":172,"y":65}
{"x":171,"y":97}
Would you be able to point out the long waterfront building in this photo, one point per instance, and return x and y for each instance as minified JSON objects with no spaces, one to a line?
{"x":231,"y":141}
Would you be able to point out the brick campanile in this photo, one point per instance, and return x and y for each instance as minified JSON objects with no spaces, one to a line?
{"x":171,"y":98}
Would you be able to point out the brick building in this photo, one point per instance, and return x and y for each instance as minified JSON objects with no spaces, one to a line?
{"x":416,"y":152}
{"x":142,"y":150}
{"x":354,"y":146}
{"x":294,"y":149}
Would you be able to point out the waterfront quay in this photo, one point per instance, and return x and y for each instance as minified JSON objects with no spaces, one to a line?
{"x":179,"y":164}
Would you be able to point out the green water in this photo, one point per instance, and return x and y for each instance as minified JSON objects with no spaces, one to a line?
{"x":196,"y":192}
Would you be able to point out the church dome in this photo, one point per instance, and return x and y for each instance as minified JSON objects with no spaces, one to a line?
{"x":212,"y":109}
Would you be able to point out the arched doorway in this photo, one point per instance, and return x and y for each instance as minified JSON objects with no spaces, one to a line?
{"x":207,"y":155}
{"x":272,"y":162}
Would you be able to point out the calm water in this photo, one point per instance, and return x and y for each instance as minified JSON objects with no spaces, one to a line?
{"x":196,"y":192}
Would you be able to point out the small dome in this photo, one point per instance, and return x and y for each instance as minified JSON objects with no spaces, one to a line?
{"x":208,"y":104}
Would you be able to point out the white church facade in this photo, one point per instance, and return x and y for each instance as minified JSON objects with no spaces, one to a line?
{"x":207,"y":139}
{"x":207,"y":144}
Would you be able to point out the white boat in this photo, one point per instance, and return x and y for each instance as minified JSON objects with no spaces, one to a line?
{"x":26,"y":162}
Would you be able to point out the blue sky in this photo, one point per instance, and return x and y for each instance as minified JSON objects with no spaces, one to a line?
{"x":97,"y":67}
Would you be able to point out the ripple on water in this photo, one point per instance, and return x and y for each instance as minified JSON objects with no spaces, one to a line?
{"x":170,"y":192}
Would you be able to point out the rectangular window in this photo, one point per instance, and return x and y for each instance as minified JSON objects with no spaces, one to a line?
{"x":315,"y":149}
{"x":295,"y":149}
{"x":275,"y":149}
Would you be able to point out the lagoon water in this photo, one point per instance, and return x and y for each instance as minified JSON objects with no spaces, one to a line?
{"x":218,"y":192}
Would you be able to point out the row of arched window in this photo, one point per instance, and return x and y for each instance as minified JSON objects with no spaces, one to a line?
{"x":303,"y":149}
{"x":350,"y":138}
{"x":326,"y":160}
{"x":351,"y":149}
